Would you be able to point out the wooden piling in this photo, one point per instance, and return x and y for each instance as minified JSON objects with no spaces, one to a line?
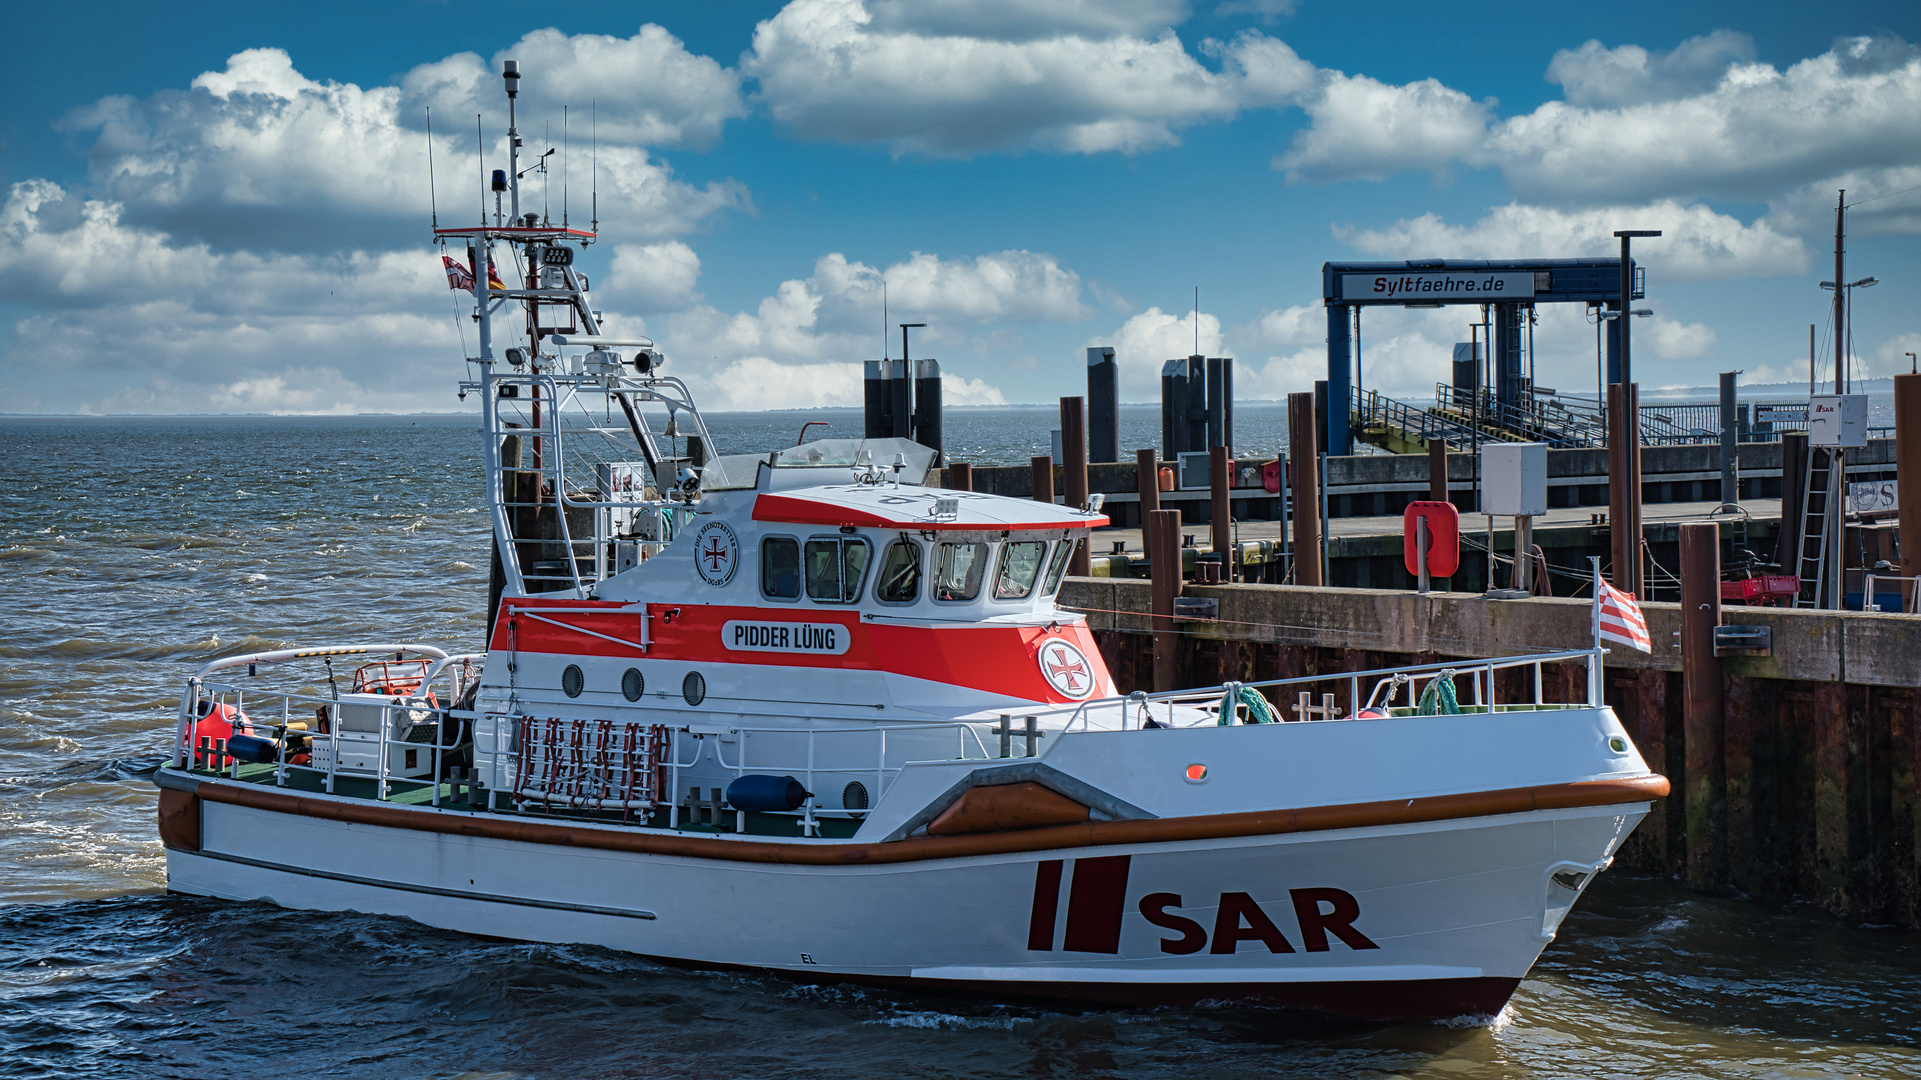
{"x":1165,"y":527}
{"x":1043,"y":481}
{"x":1074,"y":454}
{"x":1907,"y":477}
{"x":1303,"y":452}
{"x":1703,"y":707}
{"x":960,"y":476}
{"x":1437,"y":471}
{"x":1147,"y":478}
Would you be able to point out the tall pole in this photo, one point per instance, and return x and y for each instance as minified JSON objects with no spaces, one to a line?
{"x":1074,"y":458}
{"x":1704,"y":706}
{"x":1840,"y":292}
{"x":1907,"y":474}
{"x":1165,"y":577}
{"x":1147,"y":481}
{"x":1306,"y":489}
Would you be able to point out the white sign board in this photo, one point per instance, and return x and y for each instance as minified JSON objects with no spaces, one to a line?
{"x":1871,"y":496}
{"x":1838,"y":420}
{"x":624,"y":482}
{"x":1514,"y":479}
{"x":1427,"y":286}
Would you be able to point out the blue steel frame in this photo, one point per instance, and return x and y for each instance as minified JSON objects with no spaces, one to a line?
{"x":1583,"y":281}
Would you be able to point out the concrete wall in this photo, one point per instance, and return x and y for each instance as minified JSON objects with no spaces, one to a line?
{"x":1807,"y":791}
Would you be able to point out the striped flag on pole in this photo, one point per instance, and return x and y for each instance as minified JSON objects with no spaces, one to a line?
{"x":1618,"y":618}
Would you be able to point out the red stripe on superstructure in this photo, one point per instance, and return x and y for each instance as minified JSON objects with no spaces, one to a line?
{"x":789,"y":510}
{"x":994,"y":659}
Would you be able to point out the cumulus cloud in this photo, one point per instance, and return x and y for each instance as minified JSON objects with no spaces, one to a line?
{"x":1364,"y":129}
{"x":1756,"y":131}
{"x":135,"y":322}
{"x":1696,"y":242}
{"x":1027,"y":20}
{"x":1270,"y":11}
{"x":1672,"y":339}
{"x":1280,"y":328}
{"x":815,"y":325}
{"x":1703,"y":121}
{"x":1151,"y":338}
{"x":259,"y":155}
{"x":1881,"y":202}
{"x":958,"y":79}
{"x":652,"y":277}
{"x":645,"y":89}
{"x":1597,"y":76}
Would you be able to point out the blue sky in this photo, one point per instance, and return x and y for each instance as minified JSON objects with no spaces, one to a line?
{"x":223,"y":207}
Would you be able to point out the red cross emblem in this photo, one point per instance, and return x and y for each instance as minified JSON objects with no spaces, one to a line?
{"x":1066,"y":669}
{"x":716,"y":552}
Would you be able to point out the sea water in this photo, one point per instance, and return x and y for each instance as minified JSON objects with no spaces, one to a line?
{"x":135,"y":550}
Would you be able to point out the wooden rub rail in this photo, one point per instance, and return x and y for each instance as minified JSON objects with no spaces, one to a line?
{"x":1089,"y":834}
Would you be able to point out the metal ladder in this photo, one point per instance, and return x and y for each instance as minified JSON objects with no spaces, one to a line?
{"x":1811,"y":559}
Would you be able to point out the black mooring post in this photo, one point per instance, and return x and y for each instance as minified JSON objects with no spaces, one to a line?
{"x":876,"y":396}
{"x":927,"y":403}
{"x":900,"y":399}
{"x":1103,"y":405}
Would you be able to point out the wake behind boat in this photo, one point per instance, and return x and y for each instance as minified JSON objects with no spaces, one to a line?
{"x":802,"y":712}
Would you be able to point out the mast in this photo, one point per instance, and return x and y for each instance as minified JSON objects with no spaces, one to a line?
{"x":1840,"y":293}
{"x":511,"y":73}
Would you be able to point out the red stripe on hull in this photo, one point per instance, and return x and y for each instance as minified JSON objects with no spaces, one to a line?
{"x":993,"y":659}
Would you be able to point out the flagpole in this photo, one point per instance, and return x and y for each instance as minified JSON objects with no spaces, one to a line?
{"x":1594,"y":626}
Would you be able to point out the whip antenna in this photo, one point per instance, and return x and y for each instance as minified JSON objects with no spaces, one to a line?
{"x":593,"y":154}
{"x":433,"y":204}
{"x":563,"y":166}
{"x":480,"y":144}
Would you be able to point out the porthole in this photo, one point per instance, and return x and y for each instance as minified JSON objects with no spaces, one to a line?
{"x":571,"y":680}
{"x":854,"y":796}
{"x":693,"y":688}
{"x":632,"y":685}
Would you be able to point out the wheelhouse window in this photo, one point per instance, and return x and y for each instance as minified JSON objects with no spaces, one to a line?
{"x":899,"y":581}
{"x":958,"y":569}
{"x":780,"y":568}
{"x":1021,"y":562}
{"x":1057,"y":569}
{"x":835,"y":568}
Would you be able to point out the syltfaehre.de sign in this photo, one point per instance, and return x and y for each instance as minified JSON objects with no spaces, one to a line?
{"x":1419,"y":286}
{"x":824,"y":638}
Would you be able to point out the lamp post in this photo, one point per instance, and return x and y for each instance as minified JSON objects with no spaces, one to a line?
{"x":1624,"y":441}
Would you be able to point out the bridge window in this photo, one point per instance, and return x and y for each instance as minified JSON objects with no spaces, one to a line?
{"x":835,"y":567}
{"x":1021,"y":563}
{"x":899,"y":574}
{"x":1057,"y":569}
{"x":958,"y":569}
{"x":780,"y":568}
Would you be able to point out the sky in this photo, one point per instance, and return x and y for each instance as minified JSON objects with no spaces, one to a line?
{"x":226,"y":207}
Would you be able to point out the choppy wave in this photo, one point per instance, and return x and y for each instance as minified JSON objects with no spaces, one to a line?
{"x":368,"y":529}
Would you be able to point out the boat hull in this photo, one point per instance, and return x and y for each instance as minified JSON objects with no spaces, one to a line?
{"x":1425,"y":919}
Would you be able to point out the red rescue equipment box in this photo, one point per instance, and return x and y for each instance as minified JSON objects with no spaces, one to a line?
{"x":1443,"y":538}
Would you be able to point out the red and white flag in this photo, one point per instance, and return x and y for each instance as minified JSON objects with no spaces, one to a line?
{"x":458,"y":276}
{"x":1618,"y":618}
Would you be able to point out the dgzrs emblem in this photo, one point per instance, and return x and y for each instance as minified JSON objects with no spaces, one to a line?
{"x":716,"y":553}
{"x":1066,"y":669}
